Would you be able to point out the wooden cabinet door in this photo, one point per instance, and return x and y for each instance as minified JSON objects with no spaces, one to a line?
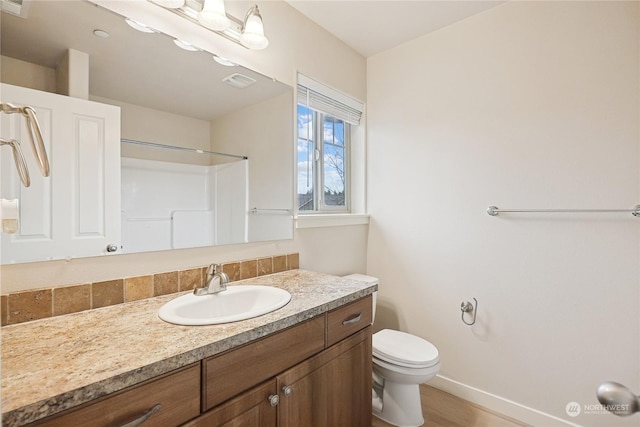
{"x":230,"y":373}
{"x":332,"y":389}
{"x":75,"y":212}
{"x":253,"y":408}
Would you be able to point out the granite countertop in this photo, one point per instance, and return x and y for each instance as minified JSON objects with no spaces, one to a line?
{"x":53,"y":364}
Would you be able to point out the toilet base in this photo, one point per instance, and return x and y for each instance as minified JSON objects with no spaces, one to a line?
{"x":401,"y":405}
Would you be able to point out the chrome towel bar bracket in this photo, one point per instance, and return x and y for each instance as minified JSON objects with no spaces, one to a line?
{"x":494,"y":211}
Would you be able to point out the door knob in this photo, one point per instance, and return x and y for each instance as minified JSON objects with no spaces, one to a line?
{"x":273,"y":399}
{"x":618,"y":399}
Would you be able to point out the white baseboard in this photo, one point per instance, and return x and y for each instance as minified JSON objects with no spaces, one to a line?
{"x":498,"y":404}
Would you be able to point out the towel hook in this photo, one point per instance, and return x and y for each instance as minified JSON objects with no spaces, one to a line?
{"x":467,"y":307}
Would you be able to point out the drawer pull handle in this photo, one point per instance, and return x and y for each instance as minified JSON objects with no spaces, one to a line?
{"x":144,"y":417}
{"x":353,"y":319}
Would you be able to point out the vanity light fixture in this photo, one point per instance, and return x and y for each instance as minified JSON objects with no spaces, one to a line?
{"x":140,"y":26}
{"x":211,"y":14}
{"x":186,"y":46}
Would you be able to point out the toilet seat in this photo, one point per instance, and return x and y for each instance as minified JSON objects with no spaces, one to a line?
{"x":403,"y":349}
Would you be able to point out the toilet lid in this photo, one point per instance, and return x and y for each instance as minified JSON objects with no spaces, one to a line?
{"x":404,"y":349}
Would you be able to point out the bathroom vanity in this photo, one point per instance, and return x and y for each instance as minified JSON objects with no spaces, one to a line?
{"x":308,"y":363}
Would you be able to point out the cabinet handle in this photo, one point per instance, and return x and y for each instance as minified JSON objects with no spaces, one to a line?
{"x":112,"y":248}
{"x":353,"y":319}
{"x":274,"y":399}
{"x":287,"y":390}
{"x":144,"y":417}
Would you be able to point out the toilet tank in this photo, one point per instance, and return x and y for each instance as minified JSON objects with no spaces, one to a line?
{"x":371,"y":281}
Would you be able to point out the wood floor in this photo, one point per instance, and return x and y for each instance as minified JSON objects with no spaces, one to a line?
{"x":441,"y":409}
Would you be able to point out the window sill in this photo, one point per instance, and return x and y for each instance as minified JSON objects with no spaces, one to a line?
{"x":330,"y":220}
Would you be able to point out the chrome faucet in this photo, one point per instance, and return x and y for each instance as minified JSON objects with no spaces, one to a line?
{"x":216,"y":281}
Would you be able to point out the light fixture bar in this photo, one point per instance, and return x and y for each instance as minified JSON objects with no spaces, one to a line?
{"x":232,"y":33}
{"x":211,"y":14}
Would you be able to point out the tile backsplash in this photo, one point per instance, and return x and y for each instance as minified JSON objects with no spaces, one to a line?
{"x":24,"y":306}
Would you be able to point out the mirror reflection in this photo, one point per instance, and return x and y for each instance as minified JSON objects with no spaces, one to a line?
{"x":205,"y":148}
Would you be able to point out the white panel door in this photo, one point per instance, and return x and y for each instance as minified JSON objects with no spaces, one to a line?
{"x":76,"y":211}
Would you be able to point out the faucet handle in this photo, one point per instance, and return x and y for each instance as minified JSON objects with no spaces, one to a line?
{"x":212,"y":269}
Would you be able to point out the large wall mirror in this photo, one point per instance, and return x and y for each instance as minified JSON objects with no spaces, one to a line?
{"x":205,"y":147}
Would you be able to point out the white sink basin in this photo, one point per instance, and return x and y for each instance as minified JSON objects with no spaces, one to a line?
{"x":238,"y":302}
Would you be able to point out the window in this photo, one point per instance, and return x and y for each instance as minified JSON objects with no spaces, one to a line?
{"x":324,"y":128}
{"x":323,"y":175}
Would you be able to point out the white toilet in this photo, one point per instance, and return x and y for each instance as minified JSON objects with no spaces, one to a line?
{"x":401,"y":362}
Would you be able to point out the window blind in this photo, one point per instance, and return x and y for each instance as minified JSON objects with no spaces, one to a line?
{"x":322,"y":98}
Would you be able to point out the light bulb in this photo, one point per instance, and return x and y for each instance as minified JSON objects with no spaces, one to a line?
{"x":253,"y":32}
{"x":213,"y":15}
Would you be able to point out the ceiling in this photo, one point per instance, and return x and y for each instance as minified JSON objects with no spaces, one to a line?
{"x":372,"y":26}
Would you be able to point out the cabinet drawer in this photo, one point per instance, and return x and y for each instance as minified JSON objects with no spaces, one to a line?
{"x":239,"y":369}
{"x":177,"y":394}
{"x":348,"y":319}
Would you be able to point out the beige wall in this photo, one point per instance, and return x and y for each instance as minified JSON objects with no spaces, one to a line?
{"x":264,"y":133}
{"x":25,"y":74}
{"x":290,"y":34}
{"x":527,"y":105}
{"x":149,"y":125}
